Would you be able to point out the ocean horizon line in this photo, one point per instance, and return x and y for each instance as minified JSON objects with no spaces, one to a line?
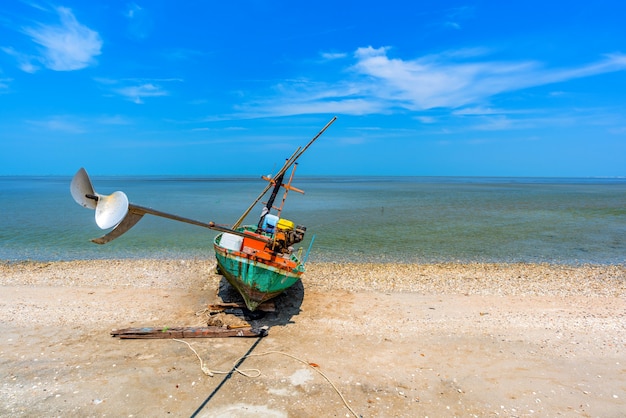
{"x":237,"y":177}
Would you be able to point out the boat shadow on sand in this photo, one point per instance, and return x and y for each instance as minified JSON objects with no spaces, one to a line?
{"x":285,"y":306}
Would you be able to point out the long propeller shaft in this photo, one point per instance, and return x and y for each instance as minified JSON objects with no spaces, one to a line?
{"x":135,"y":213}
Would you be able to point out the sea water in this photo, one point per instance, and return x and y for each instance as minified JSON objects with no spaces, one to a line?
{"x":349,"y":219}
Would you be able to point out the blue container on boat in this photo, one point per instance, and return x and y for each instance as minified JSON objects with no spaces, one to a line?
{"x":269,"y":222}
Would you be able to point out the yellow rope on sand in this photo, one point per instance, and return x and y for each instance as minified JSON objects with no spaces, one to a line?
{"x":246,"y":373}
{"x":212,"y":373}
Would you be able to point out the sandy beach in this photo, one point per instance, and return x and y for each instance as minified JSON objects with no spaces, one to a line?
{"x":391,"y":340}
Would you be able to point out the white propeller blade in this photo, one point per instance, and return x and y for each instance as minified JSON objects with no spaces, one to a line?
{"x":81,"y":187}
{"x":110,"y":210}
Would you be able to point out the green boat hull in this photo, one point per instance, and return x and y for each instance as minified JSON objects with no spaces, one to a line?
{"x":257,"y":282}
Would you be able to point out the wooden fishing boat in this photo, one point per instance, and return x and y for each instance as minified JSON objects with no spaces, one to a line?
{"x":254,"y":268}
{"x":259,"y":260}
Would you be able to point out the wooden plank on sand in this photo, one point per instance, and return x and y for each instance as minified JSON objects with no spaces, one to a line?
{"x":188,"y":332}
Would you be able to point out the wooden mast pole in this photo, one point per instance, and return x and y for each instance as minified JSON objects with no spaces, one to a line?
{"x":294,"y":157}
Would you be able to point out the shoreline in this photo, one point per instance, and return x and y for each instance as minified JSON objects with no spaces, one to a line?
{"x":504,"y":279}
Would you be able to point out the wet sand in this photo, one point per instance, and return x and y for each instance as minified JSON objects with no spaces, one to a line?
{"x":393,"y":340}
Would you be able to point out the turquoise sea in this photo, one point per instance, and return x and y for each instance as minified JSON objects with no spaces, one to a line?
{"x":355,"y":219}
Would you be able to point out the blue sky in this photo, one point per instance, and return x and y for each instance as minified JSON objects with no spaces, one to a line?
{"x":476,"y":88}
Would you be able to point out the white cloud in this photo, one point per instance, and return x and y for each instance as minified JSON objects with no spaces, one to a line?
{"x":351,"y":140}
{"x":496,"y":123}
{"x":66,"y":46}
{"x":24,"y":61}
{"x":133,"y":9}
{"x":453,"y":25}
{"x":437,"y":81}
{"x":477,"y":110}
{"x":433,"y":82}
{"x":377,"y":83}
{"x":333,"y":55}
{"x":346,"y":106}
{"x":65,"y":124}
{"x":76,"y":124}
{"x":456,"y":14}
{"x":138,"y":92}
{"x":137,"y":89}
{"x":139,"y":22}
{"x":300,"y":97}
{"x":426,"y":119}
{"x":4,"y":83}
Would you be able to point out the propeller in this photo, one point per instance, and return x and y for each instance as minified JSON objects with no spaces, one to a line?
{"x":110,"y":210}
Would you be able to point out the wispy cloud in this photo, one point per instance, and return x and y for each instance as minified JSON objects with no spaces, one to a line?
{"x":426,"y":119}
{"x":136,"y":90}
{"x":4,"y":83}
{"x":333,"y":55}
{"x":66,"y":46}
{"x":454,"y":16}
{"x":76,"y":124}
{"x":504,"y":120}
{"x":437,"y":81}
{"x":25,"y":62}
{"x":451,"y":81}
{"x":378,"y":83}
{"x":139,"y":92}
{"x":60,"y":123}
{"x":299,"y":97}
{"x":478,"y":110}
{"x":139,"y":21}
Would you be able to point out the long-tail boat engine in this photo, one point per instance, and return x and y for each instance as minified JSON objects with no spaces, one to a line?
{"x":287,"y":235}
